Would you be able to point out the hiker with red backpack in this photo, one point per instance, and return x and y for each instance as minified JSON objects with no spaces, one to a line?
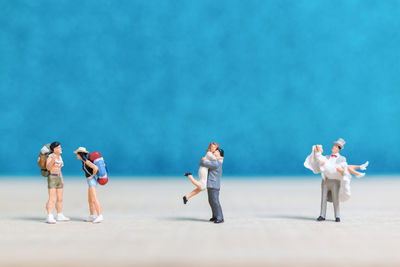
{"x":92,"y":165}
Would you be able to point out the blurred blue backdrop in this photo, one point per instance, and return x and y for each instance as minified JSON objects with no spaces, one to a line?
{"x":150,"y":83}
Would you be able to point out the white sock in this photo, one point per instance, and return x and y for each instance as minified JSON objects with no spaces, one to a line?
{"x":364,"y":166}
{"x":361,"y":175}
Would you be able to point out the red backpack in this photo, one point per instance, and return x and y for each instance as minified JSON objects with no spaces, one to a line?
{"x":102,"y":173}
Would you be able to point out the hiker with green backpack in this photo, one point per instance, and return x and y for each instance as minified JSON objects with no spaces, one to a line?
{"x":50,"y":162}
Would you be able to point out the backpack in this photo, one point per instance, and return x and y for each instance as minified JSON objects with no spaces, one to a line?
{"x":102,"y":173}
{"x":42,"y":160}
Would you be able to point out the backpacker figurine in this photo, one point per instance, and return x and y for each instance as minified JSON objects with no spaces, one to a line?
{"x":42,"y":159}
{"x":98,"y":160}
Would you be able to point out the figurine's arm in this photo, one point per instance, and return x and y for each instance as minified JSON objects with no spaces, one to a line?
{"x":209,"y":164}
{"x":62,"y":165}
{"x":93,"y":167}
{"x":210,"y":156}
{"x":320,"y":158}
{"x":49,"y":163}
{"x":341,"y":160}
{"x":341,"y":168}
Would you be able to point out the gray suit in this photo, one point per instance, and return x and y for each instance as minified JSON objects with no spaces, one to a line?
{"x":213,"y":186}
{"x":330,"y":191}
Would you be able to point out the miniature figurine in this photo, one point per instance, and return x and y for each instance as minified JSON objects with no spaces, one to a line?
{"x":336,"y":176}
{"x":201,"y":184}
{"x":55,"y":181}
{"x":90,"y":169}
{"x":214,"y":184}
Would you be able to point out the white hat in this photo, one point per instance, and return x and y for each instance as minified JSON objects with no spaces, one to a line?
{"x":81,"y":149}
{"x":340,"y":142}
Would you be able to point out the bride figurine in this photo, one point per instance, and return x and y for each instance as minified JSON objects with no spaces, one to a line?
{"x":342,"y":171}
{"x":201,"y":184}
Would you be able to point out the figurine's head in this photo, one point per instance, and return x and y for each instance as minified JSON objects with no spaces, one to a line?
{"x":81,"y":153}
{"x":219,"y":153}
{"x":55,"y":148}
{"x":338,"y":145}
{"x":81,"y":156}
{"x":212,"y":147}
{"x":335,"y":149}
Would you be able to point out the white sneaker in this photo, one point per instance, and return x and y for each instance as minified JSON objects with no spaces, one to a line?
{"x":50,"y":219}
{"x":364,"y":166}
{"x":98,"y":219}
{"x":361,"y":175}
{"x":90,"y":218}
{"x":62,"y":218}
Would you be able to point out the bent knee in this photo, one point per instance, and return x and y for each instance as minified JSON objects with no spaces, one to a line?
{"x":94,"y":201}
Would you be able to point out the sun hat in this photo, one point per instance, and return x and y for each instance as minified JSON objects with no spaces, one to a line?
{"x":81,"y":149}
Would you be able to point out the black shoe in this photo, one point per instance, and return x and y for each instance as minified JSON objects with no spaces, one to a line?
{"x":185,"y":200}
{"x":187,"y":173}
{"x":212,"y":219}
{"x":337,"y":219}
{"x":320,"y":218}
{"x":219,"y":221}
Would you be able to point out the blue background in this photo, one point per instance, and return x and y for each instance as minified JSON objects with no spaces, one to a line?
{"x":150,"y":83}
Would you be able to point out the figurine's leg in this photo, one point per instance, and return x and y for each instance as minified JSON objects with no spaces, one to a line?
{"x":52,"y":200}
{"x":194,"y":181}
{"x":91,"y":204}
{"x":193,"y":193}
{"x":59,"y":202}
{"x":218,"y":208}
{"x":95,"y":201}
{"x":211,"y":202}
{"x":324,"y":196}
{"x":352,"y":170}
{"x":354,"y":167}
{"x":335,"y":197}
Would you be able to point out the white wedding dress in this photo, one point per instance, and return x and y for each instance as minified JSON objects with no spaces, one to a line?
{"x":313,"y":162}
{"x":203,"y":171}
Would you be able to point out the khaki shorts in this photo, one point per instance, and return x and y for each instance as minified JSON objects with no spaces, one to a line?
{"x":54,"y":181}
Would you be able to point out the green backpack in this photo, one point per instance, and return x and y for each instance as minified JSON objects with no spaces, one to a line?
{"x":42,"y":160}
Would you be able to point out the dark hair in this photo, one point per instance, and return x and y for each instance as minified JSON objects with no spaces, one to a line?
{"x":54,"y":145}
{"x":221,"y":152}
{"x":83,"y":155}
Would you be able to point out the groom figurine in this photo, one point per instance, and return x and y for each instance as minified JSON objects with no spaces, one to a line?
{"x":330,"y":187}
{"x":214,"y":184}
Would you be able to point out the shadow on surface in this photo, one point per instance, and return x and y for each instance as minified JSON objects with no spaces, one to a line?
{"x":292,"y":217}
{"x":30,"y":218}
{"x":43,"y":219}
{"x":185,"y":219}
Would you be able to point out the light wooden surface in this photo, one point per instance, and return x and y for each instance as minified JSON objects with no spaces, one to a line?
{"x":267,"y":222}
